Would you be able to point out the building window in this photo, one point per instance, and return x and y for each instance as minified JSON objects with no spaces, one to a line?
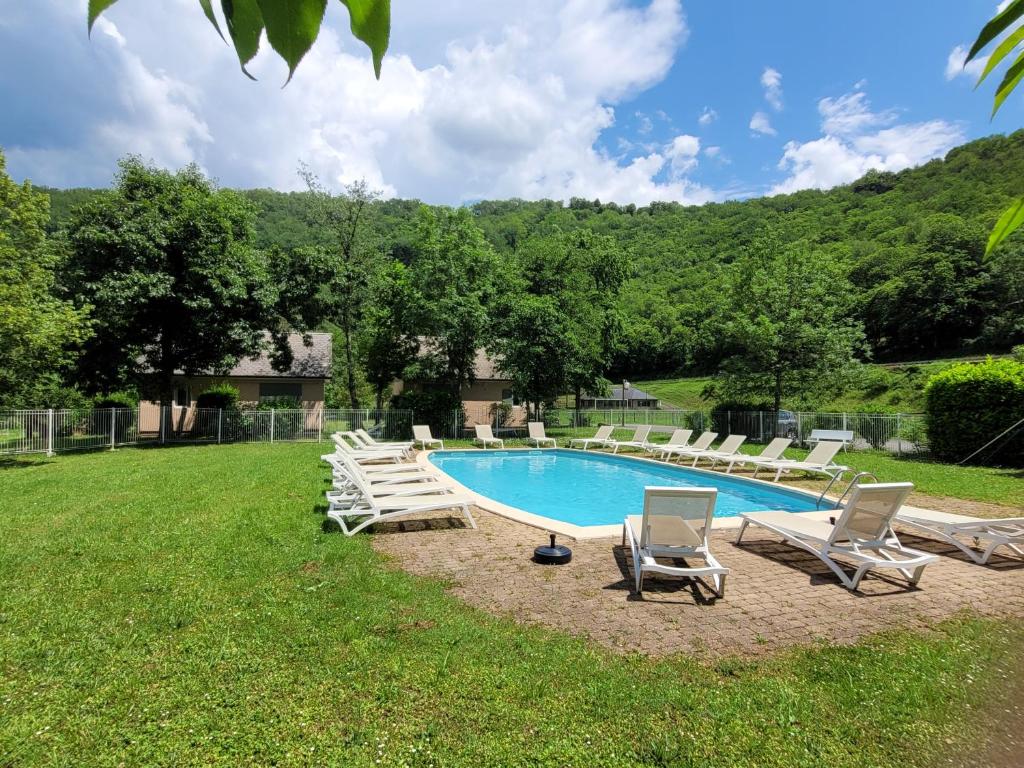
{"x":182,"y":396}
{"x":271,"y":391}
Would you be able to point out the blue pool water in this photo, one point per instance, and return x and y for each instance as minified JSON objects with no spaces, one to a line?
{"x":598,"y":489}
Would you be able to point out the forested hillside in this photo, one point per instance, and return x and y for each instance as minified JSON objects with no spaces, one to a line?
{"x":910,"y":244}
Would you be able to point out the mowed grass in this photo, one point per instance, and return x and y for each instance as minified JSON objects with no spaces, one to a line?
{"x":183,"y":606}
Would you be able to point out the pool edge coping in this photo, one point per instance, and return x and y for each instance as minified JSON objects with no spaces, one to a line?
{"x":577,"y":532}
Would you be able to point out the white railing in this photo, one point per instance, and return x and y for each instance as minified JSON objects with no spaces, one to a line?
{"x":54,"y":431}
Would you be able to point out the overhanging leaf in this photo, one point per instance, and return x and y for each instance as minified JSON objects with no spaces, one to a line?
{"x":371,"y":23}
{"x":1010,"y":80}
{"x":245,"y":25}
{"x":1001,"y":21}
{"x":96,"y":7}
{"x":292,"y":27}
{"x":1012,"y":219}
{"x":208,"y":10}
{"x":1000,"y":52}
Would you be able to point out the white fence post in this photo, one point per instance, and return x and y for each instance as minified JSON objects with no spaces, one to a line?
{"x":320,"y":425}
{"x":899,"y":437}
{"x":163,"y":437}
{"x":49,"y":432}
{"x":113,"y":425}
{"x":220,"y":421}
{"x":271,"y":425}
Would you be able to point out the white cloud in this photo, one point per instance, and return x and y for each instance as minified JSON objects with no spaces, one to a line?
{"x":771,"y":81}
{"x":512,"y":106}
{"x":707,"y":116}
{"x":761,"y":124}
{"x":857,"y":140}
{"x":682,"y":153}
{"x":644,"y":123}
{"x":955,"y":64}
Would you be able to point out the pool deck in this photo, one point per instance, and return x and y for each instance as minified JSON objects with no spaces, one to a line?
{"x":776,"y":596}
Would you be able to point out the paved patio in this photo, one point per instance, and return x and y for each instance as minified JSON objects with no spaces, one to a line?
{"x":776,"y":596}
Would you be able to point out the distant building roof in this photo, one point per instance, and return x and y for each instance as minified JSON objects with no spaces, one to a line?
{"x":312,"y":362}
{"x":485,"y":367}
{"x":308,"y":362}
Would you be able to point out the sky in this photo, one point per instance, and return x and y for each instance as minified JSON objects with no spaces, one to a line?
{"x":619,"y":100}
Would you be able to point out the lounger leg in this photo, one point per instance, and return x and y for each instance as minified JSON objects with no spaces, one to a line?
{"x":472,"y":522}
{"x":743,"y":527}
{"x":778,"y":474}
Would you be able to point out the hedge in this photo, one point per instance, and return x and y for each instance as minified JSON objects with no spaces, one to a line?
{"x":969,"y":404}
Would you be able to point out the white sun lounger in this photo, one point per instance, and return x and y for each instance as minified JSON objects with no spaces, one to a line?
{"x":675,"y":524}
{"x":998,"y":532}
{"x":367,"y":437}
{"x":355,"y":514}
{"x":537,"y":436}
{"x":362,"y":444}
{"x":677,"y":439}
{"x":342,"y":467}
{"x":639,"y":440}
{"x":702,"y":443}
{"x":861,"y":534}
{"x":602,"y":437}
{"x":729,"y":448}
{"x":772,"y":451}
{"x":421,"y":434}
{"x":819,"y":460}
{"x":485,"y":436}
{"x":363,"y":456}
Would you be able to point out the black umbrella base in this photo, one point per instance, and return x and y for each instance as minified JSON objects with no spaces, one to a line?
{"x":552,"y":554}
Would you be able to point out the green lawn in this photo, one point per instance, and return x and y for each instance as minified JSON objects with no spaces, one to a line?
{"x":183,"y":606}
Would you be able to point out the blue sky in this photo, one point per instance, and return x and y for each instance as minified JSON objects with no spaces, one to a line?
{"x":619,"y":100}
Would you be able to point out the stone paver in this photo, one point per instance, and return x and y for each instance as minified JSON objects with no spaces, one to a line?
{"x":776,"y":596}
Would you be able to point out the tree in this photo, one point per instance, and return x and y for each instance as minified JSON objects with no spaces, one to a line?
{"x":456,"y":276}
{"x":558,"y":327}
{"x":787,"y":323}
{"x":344,"y":218}
{"x":38,"y":332}
{"x":387,"y":342}
{"x":292,"y":26}
{"x":1003,"y":22}
{"x":167,"y":264}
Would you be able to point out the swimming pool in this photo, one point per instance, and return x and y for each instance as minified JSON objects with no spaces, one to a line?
{"x":588,"y":489}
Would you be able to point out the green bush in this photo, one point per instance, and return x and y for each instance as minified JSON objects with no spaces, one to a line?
{"x":124,"y":422}
{"x":223,"y":396}
{"x":1018,"y":353}
{"x":969,"y":404}
{"x":116,"y":400}
{"x":437,"y":408}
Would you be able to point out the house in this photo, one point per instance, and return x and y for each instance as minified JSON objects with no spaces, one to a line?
{"x":489,"y":387}
{"x":633,"y":398}
{"x":257,"y":382}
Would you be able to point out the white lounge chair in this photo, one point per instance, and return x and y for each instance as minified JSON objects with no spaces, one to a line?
{"x":485,"y":436}
{"x":369,"y":508}
{"x":861,"y":534}
{"x":998,"y":532}
{"x":772,"y":451}
{"x":537,"y":436}
{"x":639,"y":440}
{"x":363,"y":456}
{"x":819,"y":460}
{"x":677,"y":439}
{"x":421,"y":434}
{"x":343,"y":467}
{"x":702,"y":443}
{"x":602,"y":437}
{"x":675,"y":524}
{"x":361,"y":444}
{"x":367,"y":437}
{"x":729,"y":448}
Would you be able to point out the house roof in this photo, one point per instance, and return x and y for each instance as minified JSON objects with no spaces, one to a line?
{"x":309,"y":362}
{"x":485,"y":367}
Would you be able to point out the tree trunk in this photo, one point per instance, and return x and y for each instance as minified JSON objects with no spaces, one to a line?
{"x":778,"y":402}
{"x":350,"y":372}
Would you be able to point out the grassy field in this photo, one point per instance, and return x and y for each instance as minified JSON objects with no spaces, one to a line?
{"x":880,"y":387}
{"x":183,"y":606}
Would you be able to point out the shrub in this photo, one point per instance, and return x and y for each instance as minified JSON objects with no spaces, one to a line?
{"x":124,"y":422}
{"x":968,"y":404}
{"x":437,"y":408}
{"x":116,"y":400}
{"x":1018,"y":353}
{"x":222,"y":396}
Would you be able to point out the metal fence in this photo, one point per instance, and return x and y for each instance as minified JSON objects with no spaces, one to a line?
{"x":56,"y":431}
{"x":897,"y":433}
